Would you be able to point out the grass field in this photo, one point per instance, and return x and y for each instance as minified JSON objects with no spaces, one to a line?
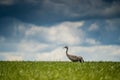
{"x":27,"y":70}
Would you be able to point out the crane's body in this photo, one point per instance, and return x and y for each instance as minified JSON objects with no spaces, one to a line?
{"x":73,"y":58}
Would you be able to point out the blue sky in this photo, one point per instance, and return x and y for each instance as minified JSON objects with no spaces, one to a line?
{"x":39,"y":29}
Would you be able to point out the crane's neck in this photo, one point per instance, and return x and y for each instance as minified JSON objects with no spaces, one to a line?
{"x":67,"y":51}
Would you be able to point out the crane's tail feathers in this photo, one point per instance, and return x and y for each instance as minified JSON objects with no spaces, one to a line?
{"x":81,"y":59}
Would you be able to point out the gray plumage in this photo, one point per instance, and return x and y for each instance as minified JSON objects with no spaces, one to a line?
{"x":73,"y":58}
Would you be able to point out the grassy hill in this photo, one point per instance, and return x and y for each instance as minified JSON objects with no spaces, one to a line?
{"x":27,"y":70}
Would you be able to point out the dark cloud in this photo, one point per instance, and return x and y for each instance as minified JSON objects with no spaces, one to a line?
{"x":53,"y":11}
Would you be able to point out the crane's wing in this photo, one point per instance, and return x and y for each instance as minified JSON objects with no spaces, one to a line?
{"x":73,"y":57}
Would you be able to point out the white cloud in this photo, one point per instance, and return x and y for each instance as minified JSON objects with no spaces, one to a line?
{"x":64,"y":33}
{"x":30,"y":46}
{"x":12,"y":57}
{"x":92,"y":41}
{"x":57,"y":54}
{"x":93,"y":27}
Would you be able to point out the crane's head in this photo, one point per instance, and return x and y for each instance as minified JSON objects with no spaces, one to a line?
{"x":66,"y":47}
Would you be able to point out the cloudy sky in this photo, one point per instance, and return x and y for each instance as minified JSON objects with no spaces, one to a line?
{"x":39,"y":29}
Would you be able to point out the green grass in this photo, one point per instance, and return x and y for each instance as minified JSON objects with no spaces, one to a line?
{"x":59,"y":70}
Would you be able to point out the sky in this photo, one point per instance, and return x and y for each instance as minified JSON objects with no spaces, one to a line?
{"x":37,"y":30}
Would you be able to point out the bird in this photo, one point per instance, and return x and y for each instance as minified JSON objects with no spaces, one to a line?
{"x":73,"y":58}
